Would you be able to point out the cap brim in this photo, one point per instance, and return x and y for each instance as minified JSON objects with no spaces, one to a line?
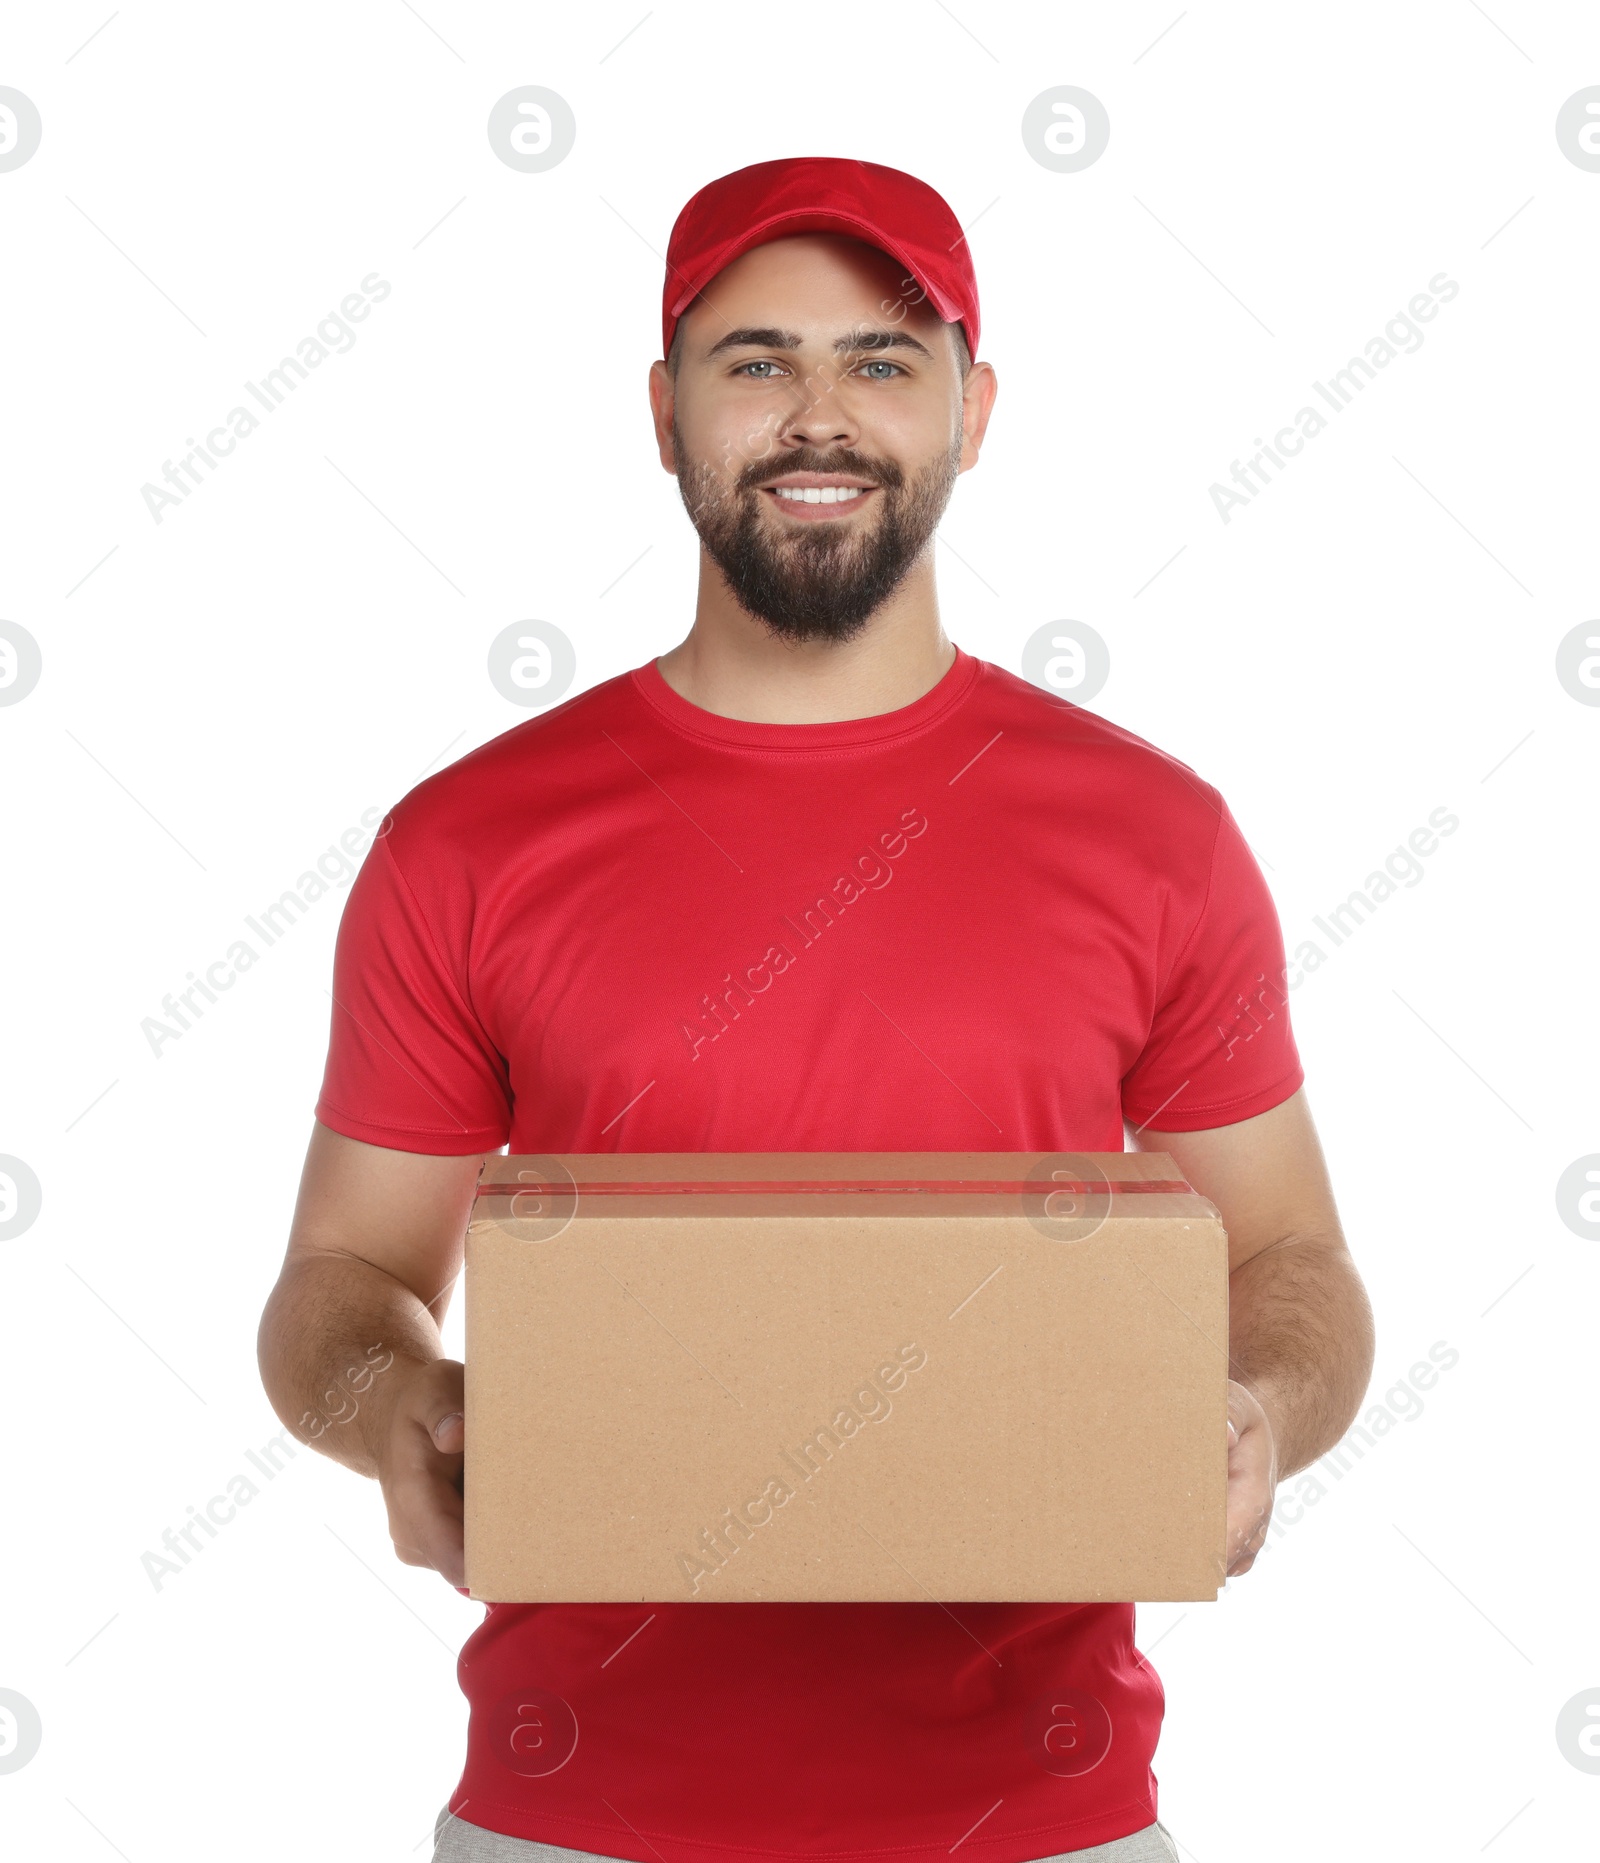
{"x":808,"y":220}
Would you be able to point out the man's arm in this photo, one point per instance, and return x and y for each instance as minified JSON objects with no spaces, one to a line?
{"x":1300,"y":1335}
{"x":349,"y":1344}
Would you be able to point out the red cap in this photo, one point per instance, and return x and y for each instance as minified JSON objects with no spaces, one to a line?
{"x":822,"y":194}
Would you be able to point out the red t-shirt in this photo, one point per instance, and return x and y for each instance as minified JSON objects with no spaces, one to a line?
{"x":989,"y":921}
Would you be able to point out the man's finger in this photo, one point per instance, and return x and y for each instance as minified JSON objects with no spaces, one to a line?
{"x":426,"y":1519}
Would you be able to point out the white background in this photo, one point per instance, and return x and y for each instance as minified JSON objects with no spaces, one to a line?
{"x":1374,"y":637}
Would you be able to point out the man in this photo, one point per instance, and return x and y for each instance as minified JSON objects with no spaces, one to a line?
{"x":814,"y":879}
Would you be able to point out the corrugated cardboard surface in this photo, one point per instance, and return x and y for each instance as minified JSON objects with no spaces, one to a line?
{"x":852,"y":1395}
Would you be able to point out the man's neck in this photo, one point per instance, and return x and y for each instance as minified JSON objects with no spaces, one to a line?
{"x":733,"y":665}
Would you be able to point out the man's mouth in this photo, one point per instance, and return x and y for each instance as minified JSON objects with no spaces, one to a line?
{"x":813,"y":497}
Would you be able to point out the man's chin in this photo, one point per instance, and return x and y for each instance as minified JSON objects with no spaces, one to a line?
{"x":806,"y":629}
{"x":808,"y":580}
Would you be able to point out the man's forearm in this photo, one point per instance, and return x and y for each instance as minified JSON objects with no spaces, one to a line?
{"x":1300,"y":1337}
{"x":335,"y":1342}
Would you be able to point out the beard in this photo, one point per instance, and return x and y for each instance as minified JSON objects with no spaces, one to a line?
{"x":815,"y":581}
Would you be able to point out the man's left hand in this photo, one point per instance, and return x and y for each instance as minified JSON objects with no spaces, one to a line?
{"x":1252,"y":1478}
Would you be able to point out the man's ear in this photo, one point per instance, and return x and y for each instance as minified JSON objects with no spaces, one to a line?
{"x":977,"y":403}
{"x":663,"y":394}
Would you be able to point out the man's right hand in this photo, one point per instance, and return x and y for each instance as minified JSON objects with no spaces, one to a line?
{"x":376,"y":1246}
{"x":419,"y":1453}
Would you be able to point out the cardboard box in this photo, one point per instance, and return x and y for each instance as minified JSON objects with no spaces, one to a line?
{"x":845,"y":1376}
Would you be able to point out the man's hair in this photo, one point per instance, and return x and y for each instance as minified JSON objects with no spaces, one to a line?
{"x":963,"y":354}
{"x":675,"y":353}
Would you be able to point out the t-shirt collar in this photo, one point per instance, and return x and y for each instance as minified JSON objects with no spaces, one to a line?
{"x":847,"y":733}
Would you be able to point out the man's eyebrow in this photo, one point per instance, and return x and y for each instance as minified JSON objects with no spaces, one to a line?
{"x":766,"y":337}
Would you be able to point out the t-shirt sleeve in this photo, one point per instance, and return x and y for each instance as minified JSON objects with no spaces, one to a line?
{"x":1220,"y":1047}
{"x":410,"y":1066}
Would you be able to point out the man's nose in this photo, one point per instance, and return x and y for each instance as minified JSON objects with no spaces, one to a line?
{"x":823,"y":417}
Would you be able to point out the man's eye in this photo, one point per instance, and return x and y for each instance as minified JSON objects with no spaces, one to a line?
{"x":877,"y":362}
{"x":759,"y":363}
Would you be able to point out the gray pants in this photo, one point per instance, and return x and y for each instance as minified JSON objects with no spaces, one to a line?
{"x":456,"y":1841}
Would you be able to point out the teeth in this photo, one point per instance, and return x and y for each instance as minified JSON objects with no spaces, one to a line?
{"x":819,"y":495}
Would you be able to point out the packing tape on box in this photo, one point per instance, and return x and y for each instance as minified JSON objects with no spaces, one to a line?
{"x":835,"y":1186}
